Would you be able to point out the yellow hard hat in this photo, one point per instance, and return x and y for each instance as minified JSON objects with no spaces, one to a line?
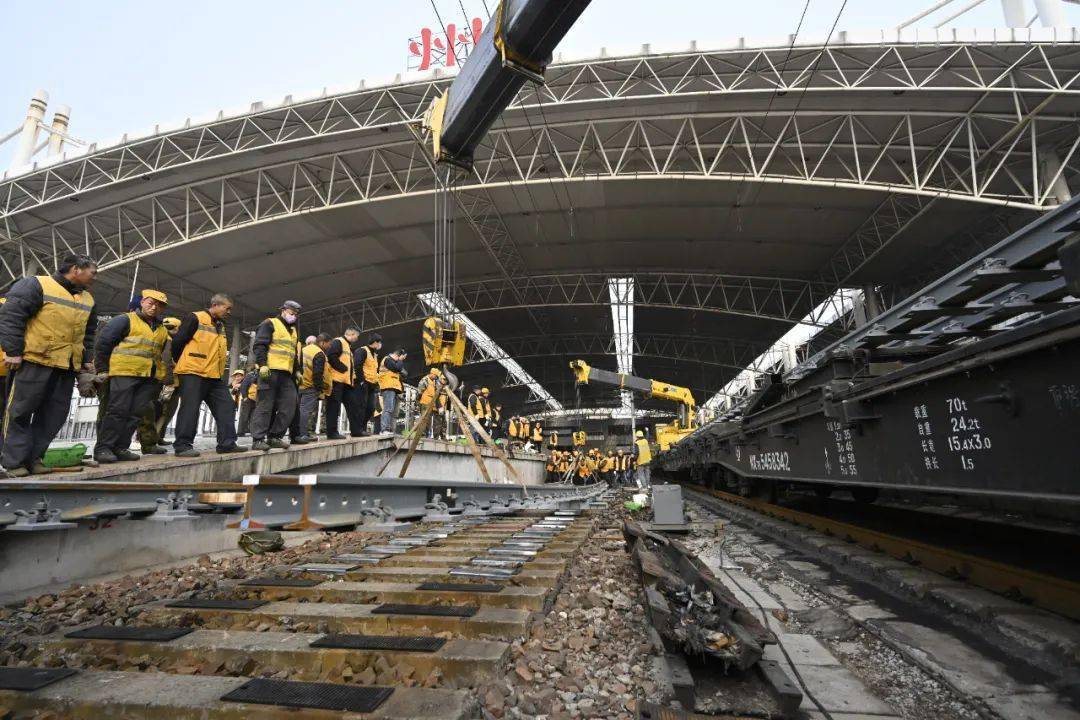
{"x":436,"y":371}
{"x":484,"y":390}
{"x":639,"y":434}
{"x":171,"y":322}
{"x":156,"y":295}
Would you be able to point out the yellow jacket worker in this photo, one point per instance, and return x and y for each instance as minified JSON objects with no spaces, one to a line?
{"x":345,"y":383}
{"x":47,"y":329}
{"x":131,"y":347}
{"x":316,"y":382}
{"x":275,"y":354}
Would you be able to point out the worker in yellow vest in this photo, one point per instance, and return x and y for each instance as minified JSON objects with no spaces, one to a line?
{"x":609,"y":466}
{"x":344,"y":378}
{"x":200,"y":351}
{"x":391,"y":371}
{"x":249,"y":393}
{"x":47,"y":329}
{"x":537,"y":436}
{"x":430,"y":389}
{"x":642,"y":459}
{"x":485,"y":403}
{"x":553,"y":440}
{"x":497,"y":431}
{"x":130,"y":346}
{"x":315,"y":383}
{"x":154,"y":420}
{"x":622,"y":467}
{"x":275,"y":353}
{"x":366,"y":396}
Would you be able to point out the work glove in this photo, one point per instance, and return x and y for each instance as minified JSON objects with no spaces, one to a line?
{"x":86,"y":383}
{"x":166,"y":393}
{"x":264,"y":372}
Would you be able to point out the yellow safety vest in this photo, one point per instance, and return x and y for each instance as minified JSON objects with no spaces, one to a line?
{"x":553,"y":439}
{"x":281,"y":355}
{"x":428,"y":395}
{"x":513,"y":427}
{"x":644,"y":453}
{"x":370,"y":367}
{"x":537,"y":434}
{"x":345,"y":377}
{"x":622,"y":462}
{"x":307,"y":362}
{"x":206,"y":352}
{"x":485,"y":407}
{"x":136,"y":354}
{"x":388,"y":379}
{"x":54,"y":336}
{"x":253,"y":391}
{"x":476,"y":408}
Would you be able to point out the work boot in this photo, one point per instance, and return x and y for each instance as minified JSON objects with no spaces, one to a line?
{"x":304,"y":440}
{"x":39,"y":468}
{"x":232,"y":449}
{"x":16,"y":472}
{"x":106,"y":456}
{"x":335,"y":436}
{"x":188,"y":453}
{"x":280,"y":443}
{"x":154,"y":450}
{"x":260,"y":445}
{"x":126,"y":455}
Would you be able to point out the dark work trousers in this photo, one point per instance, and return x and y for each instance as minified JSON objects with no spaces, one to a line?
{"x":154,"y":420}
{"x":333,"y":408}
{"x":367,"y":402}
{"x":3,"y":394}
{"x":353,"y":400}
{"x":247,"y":406}
{"x":129,"y":397}
{"x":389,"y":410}
{"x":38,"y":405}
{"x":194,"y":391}
{"x":309,"y":407}
{"x":275,"y":406}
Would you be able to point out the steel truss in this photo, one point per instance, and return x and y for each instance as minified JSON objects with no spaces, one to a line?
{"x":725,"y":352}
{"x":836,"y":140}
{"x":780,"y":299}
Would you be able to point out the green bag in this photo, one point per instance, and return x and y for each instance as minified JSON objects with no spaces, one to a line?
{"x":63,"y":457}
{"x":258,"y":542}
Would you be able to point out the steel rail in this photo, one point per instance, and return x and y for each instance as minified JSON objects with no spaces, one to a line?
{"x":1055,"y":594}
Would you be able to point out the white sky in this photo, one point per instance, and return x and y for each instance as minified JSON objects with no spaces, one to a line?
{"x":124,"y":65}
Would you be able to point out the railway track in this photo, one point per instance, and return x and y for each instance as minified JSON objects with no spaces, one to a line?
{"x":1051,"y":592}
{"x":404,"y":627}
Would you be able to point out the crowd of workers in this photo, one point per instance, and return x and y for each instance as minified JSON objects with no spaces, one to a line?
{"x":583,"y":467}
{"x":146,"y":367}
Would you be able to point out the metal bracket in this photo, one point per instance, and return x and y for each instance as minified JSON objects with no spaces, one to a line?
{"x":173,"y":506}
{"x":40,"y":517}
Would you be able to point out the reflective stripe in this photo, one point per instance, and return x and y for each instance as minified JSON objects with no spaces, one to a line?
{"x":136,"y":353}
{"x":67,"y":303}
{"x":210,"y":329}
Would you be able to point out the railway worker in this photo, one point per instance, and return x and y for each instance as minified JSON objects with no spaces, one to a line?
{"x":431,"y":396}
{"x":537,"y":436}
{"x":622,"y":467}
{"x":249,"y":394}
{"x":130,"y":346}
{"x":315,"y":383}
{"x":47,"y":329}
{"x":366,"y":396}
{"x":343,"y":379}
{"x":607,"y":467}
{"x":553,"y":440}
{"x":475,"y":406}
{"x":497,"y":431}
{"x":156,"y":417}
{"x":512,"y":430}
{"x":523,"y":429}
{"x":275,"y":354}
{"x":549,"y":466}
{"x":200,"y":351}
{"x":235,"y":381}
{"x":565,"y":459}
{"x":485,"y":400}
{"x":391,"y":372}
{"x":642,"y":458}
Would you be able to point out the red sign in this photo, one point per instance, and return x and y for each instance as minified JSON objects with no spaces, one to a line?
{"x":448,"y":48}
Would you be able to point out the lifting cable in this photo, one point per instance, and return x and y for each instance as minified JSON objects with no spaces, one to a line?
{"x":445,"y":265}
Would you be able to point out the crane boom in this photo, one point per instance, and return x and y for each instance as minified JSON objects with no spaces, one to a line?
{"x":516,"y":46}
{"x":667,"y":435}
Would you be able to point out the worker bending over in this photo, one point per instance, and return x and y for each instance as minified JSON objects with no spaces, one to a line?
{"x":315,"y":383}
{"x":200,"y":351}
{"x":47,"y":329}
{"x":391,"y":371}
{"x":131,"y":346}
{"x":275,"y":351}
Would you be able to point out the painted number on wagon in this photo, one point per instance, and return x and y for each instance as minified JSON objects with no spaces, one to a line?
{"x":775,"y":461}
{"x":967,"y":437}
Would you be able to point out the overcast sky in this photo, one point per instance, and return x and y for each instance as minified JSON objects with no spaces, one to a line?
{"x":124,"y":65}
